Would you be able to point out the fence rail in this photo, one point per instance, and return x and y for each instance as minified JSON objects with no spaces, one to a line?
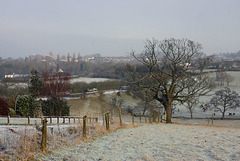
{"x":38,"y":120}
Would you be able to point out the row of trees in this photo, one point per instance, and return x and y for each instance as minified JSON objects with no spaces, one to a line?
{"x":70,"y":64}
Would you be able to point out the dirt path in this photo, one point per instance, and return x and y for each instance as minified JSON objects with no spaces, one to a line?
{"x":86,"y":107}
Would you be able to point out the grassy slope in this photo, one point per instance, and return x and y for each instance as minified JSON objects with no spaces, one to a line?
{"x":96,"y":107}
{"x":90,"y":106}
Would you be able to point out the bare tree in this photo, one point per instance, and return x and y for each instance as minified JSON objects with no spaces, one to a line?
{"x":20,"y":63}
{"x":47,"y":63}
{"x":73,"y":63}
{"x":36,"y":63}
{"x":224,"y":100}
{"x":68,"y":63}
{"x":165,"y":73}
{"x":191,"y":105}
{"x":55,"y":83}
{"x":58,"y":63}
{"x":30,"y":64}
{"x":79,"y":62}
{"x":229,"y":79}
{"x":146,"y":96}
{"x":221,"y":76}
{"x":203,"y":62}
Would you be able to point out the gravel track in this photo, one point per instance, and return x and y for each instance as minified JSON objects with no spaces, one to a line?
{"x":158,"y":142}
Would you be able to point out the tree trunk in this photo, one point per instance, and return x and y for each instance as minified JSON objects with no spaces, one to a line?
{"x":169,"y":112}
{"x":191,"y":114}
{"x":223,"y":115}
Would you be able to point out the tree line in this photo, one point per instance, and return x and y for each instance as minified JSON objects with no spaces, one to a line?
{"x":70,"y":64}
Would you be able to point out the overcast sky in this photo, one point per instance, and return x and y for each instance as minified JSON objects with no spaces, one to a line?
{"x":114,"y":27}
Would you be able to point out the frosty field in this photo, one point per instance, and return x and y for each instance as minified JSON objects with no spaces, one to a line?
{"x":158,"y":142}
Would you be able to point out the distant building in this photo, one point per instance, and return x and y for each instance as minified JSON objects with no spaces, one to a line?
{"x":16,"y":75}
{"x":9,"y":75}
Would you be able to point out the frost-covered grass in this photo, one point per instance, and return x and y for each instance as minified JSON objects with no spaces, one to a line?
{"x":89,"y":80}
{"x":24,"y":142}
{"x":198,"y":113}
{"x":157,"y":142}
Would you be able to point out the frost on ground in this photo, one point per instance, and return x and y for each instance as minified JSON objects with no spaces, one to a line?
{"x":158,"y":142}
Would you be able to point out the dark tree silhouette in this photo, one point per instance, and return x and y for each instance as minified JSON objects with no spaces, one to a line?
{"x":36,"y":84}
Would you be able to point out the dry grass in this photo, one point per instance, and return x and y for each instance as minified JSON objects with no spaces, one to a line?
{"x":27,"y":143}
{"x":148,"y":158}
{"x":21,"y":145}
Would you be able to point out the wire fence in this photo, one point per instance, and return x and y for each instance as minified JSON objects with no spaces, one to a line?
{"x":19,"y":141}
{"x":23,"y":138}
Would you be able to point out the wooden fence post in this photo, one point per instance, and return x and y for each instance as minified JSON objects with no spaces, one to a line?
{"x":165,"y":117}
{"x":150,"y":117}
{"x":84,"y":126}
{"x":64,"y":120}
{"x":103,"y":119}
{"x":8,"y":119}
{"x":120,"y":115}
{"x":140,"y":118}
{"x":132,"y":117}
{"x":212,"y":119}
{"x":74,"y":120}
{"x":44,"y":135}
{"x":57,"y":120}
{"x":28,"y":120}
{"x":107,"y":120}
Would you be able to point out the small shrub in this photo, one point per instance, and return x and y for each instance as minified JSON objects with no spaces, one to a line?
{"x":25,"y":105}
{"x":128,"y":92}
{"x":55,"y":106}
{"x":11,"y":112}
{"x":118,"y":93}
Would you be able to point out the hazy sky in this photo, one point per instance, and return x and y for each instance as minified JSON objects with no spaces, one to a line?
{"x":114,"y":27}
